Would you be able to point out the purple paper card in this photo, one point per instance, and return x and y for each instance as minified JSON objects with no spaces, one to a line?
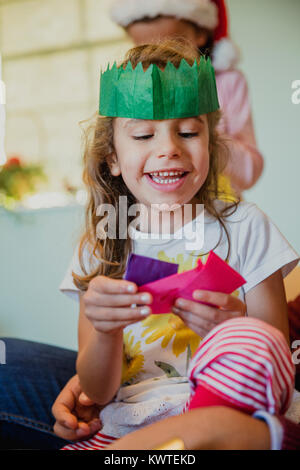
{"x":142,"y":270}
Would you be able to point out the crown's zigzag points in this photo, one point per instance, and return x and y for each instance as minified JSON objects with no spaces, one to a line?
{"x":155,"y":94}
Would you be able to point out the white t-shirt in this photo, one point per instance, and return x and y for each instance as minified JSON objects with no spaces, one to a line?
{"x":257,"y":250}
{"x":157,"y":349}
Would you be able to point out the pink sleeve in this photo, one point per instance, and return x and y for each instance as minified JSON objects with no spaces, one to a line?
{"x":246,"y":163}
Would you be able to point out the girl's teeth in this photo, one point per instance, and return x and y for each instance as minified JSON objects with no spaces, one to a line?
{"x":161,"y":177}
{"x":165,"y":181}
{"x":166,"y":173}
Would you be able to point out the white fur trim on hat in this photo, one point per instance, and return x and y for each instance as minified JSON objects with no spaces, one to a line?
{"x":225,"y":55}
{"x":204,"y":13}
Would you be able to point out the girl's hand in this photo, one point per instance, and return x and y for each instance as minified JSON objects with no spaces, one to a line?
{"x":203,"y":318}
{"x":76,"y":416}
{"x":111,"y":305}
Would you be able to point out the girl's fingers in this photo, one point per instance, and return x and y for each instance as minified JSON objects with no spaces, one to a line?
{"x":105,"y":285}
{"x":200,"y":328}
{"x":63,"y":407}
{"x":64,"y":416}
{"x":120,"y":300}
{"x":84,"y":430}
{"x":210,"y":314}
{"x":88,"y":429}
{"x":118,"y":314}
{"x":230,"y":306}
{"x":236,"y":305}
{"x":220,"y":300}
{"x":195,"y":320}
{"x":65,"y":433}
{"x":95,"y":426}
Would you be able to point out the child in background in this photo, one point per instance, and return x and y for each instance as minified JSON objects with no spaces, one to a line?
{"x":205,"y":24}
{"x":164,"y":153}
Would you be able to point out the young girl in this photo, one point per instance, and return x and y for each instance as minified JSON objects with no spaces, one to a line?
{"x":160,"y":148}
{"x":205,"y":24}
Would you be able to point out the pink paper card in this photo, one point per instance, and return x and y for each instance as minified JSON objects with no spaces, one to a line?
{"x":215,"y":275}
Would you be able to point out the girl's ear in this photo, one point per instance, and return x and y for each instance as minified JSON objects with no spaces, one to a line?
{"x":113,"y":164}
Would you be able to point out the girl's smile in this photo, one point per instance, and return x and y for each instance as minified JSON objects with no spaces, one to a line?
{"x":161,"y":162}
{"x":166,"y":180}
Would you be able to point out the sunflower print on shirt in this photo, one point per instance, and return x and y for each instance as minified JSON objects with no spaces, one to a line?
{"x":133,"y":359}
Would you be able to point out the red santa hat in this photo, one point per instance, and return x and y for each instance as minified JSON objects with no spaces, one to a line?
{"x":209,"y":14}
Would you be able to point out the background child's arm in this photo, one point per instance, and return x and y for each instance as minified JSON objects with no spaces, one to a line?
{"x":267,"y":301}
{"x":245,"y":164}
{"x":210,"y":428}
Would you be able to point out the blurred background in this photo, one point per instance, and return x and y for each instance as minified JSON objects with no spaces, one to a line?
{"x":52,"y":52}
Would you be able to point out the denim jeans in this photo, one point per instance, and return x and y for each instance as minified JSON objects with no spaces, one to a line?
{"x":30,"y":381}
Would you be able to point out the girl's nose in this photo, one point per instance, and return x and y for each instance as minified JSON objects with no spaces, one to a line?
{"x":168,"y":155}
{"x":168,"y":149}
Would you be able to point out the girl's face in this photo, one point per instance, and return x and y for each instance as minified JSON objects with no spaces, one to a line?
{"x":147,"y":32}
{"x":161,"y":162}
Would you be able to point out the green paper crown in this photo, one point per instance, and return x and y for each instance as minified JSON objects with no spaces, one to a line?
{"x":156,"y":94}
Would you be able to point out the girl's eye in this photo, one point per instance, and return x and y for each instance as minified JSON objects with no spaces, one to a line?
{"x":143,"y":137}
{"x":188,"y":135}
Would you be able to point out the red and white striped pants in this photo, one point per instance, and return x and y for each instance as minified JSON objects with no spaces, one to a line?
{"x":97,"y":442}
{"x":243,"y":363}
